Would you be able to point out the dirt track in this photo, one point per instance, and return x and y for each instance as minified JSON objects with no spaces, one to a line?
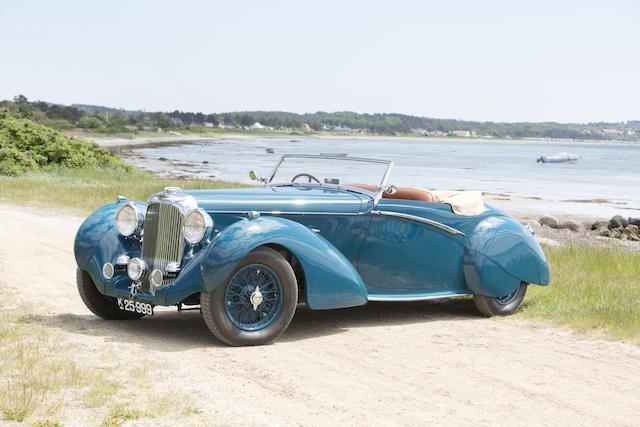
{"x":431,"y":363}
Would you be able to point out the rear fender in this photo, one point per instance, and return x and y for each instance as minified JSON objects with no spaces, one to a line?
{"x":331,"y":280}
{"x":499,"y":255}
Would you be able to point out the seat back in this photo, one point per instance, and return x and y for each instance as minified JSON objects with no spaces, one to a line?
{"x":403,"y":193}
{"x":408,"y":193}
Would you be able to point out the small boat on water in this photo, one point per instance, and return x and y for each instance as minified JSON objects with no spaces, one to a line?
{"x":270,"y":150}
{"x":558,"y":158}
{"x":334,"y":154}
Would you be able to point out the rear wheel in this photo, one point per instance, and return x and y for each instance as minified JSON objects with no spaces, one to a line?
{"x":500,"y":306}
{"x":101,"y":305}
{"x":256,"y":304}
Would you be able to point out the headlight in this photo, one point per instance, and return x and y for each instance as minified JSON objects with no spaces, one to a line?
{"x":136,"y":269}
{"x":196,"y":225}
{"x":128,"y":220}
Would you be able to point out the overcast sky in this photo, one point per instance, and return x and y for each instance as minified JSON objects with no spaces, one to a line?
{"x":567,"y":61}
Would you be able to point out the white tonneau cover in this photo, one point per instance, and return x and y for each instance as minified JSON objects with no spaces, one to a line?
{"x":466,"y":203}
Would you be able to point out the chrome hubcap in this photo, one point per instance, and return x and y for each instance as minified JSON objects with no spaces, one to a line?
{"x":256,"y":298}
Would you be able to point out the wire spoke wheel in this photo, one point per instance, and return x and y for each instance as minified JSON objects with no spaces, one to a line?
{"x":253,"y":297}
{"x":256,"y":303}
{"x":508,"y":299}
{"x":500,"y":306}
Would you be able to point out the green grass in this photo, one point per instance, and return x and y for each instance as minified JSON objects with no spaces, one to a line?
{"x":121,"y":414}
{"x":35,"y":369}
{"x":42,"y":378}
{"x":46,"y":423}
{"x":84,"y":190}
{"x":592,"y":290}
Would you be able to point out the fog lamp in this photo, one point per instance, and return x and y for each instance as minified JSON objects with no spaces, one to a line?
{"x":156,"y":277}
{"x":107,"y":270}
{"x":136,"y":269}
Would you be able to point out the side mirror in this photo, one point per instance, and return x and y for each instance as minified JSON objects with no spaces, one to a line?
{"x":391,"y":189}
{"x":253,"y":176}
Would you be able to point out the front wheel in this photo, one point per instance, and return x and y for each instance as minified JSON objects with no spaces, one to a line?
{"x":256,"y":304}
{"x":500,"y":306}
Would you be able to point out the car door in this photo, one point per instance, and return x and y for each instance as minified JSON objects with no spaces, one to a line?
{"x":410,"y":251}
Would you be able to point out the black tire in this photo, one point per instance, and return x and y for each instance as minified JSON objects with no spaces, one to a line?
{"x":100,"y":305}
{"x":213,"y":304}
{"x":491,"y":306}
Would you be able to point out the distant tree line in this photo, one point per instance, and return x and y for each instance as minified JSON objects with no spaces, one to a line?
{"x":112,"y":120}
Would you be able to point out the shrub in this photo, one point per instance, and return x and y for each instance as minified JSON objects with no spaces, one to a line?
{"x":60,"y":124}
{"x":25,"y":145}
{"x":90,"y":122}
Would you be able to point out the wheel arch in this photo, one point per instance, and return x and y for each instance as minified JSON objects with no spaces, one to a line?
{"x":296,"y":266}
{"x":499,"y":255}
{"x":330,"y":280}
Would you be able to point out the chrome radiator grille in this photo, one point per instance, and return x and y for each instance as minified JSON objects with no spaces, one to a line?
{"x":163,"y":242}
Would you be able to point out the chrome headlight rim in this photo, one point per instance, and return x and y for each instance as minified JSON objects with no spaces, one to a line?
{"x":108,"y":270}
{"x":207,"y":225}
{"x":156,"y":277}
{"x":142,"y":267}
{"x":135,"y":231}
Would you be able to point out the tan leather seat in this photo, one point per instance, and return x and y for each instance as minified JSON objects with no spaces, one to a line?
{"x":408,"y":193}
{"x":403,"y":193}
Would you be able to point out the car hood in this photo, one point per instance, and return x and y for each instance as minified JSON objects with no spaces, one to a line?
{"x":281,"y":199}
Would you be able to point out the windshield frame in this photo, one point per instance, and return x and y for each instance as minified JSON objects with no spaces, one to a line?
{"x":376,"y":195}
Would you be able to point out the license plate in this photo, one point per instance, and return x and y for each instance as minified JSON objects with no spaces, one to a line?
{"x":133,"y":306}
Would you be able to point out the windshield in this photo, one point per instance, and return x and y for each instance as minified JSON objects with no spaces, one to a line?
{"x":331,"y":170}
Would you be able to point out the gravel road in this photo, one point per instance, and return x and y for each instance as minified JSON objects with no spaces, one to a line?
{"x":427,"y":363}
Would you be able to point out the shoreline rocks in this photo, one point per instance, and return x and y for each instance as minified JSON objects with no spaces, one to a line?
{"x":617,"y":227}
{"x":549,"y":221}
{"x":618,"y":221}
{"x":574,"y":226}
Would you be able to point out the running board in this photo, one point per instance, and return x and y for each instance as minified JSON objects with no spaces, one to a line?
{"x":413,"y":297}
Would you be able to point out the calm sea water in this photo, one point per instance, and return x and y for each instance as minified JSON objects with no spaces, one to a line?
{"x":607,"y":171}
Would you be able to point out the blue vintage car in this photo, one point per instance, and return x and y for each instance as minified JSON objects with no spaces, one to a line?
{"x":309,"y":233}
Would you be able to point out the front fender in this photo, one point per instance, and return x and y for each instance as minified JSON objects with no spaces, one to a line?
{"x":97,"y":240}
{"x":501,"y":253}
{"x":331,"y":280}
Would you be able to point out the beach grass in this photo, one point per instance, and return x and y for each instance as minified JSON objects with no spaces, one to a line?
{"x":46,"y":377}
{"x":85,"y":189}
{"x":34,"y":366}
{"x":592,"y":290}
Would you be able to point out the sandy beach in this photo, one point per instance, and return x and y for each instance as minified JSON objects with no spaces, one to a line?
{"x":333,"y":367}
{"x":150,"y":141}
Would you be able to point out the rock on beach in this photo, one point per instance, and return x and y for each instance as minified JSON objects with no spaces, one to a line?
{"x":549,"y":221}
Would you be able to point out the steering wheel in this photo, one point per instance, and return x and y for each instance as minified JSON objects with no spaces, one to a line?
{"x":311,"y":177}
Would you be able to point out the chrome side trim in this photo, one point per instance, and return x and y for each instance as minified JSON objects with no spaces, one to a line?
{"x":320,"y":202}
{"x":248,"y":213}
{"x":410,"y":217}
{"x":412,"y":297}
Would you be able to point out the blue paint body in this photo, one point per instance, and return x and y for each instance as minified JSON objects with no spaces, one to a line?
{"x":347,"y":254}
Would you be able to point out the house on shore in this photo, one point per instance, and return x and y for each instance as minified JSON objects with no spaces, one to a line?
{"x":461,"y":133}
